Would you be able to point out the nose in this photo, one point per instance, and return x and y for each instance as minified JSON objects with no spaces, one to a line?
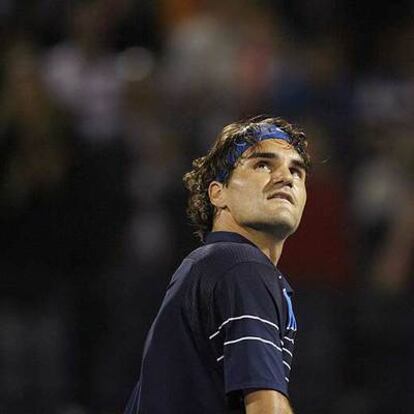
{"x":282,"y":176}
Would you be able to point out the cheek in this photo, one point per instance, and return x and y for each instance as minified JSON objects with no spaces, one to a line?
{"x":243,"y":194}
{"x":241,"y":186}
{"x":301,"y":195}
{"x":303,"y":198}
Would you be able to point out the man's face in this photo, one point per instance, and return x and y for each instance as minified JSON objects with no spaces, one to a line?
{"x":266,"y":190}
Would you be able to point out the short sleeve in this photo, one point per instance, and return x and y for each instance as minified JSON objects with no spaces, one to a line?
{"x":246,"y":329}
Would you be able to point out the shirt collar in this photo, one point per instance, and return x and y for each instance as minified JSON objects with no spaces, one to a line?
{"x":227,"y":236}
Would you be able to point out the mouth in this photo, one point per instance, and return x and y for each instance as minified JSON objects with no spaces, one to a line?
{"x":281,"y":196}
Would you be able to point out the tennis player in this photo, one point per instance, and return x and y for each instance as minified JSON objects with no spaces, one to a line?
{"x":224,"y":336}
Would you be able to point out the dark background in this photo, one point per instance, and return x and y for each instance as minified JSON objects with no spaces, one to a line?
{"x":104,"y":103}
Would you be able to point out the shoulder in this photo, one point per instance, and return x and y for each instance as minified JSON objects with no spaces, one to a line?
{"x":231,"y":267}
{"x":220,"y":258}
{"x":223,"y":267}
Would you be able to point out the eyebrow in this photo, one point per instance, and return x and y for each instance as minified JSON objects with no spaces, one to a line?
{"x":262,"y":155}
{"x":271,"y":155}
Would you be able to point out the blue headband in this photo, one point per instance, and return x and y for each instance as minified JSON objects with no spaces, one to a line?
{"x":261,"y":133}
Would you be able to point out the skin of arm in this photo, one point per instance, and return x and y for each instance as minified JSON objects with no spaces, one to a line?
{"x":266,"y":402}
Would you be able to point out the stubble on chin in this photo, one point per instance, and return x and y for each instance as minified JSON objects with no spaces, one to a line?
{"x":279,"y":228}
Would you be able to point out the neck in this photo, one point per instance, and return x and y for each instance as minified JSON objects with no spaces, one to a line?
{"x":270,"y":245}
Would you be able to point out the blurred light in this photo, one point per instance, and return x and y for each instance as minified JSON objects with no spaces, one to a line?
{"x":135,"y":64}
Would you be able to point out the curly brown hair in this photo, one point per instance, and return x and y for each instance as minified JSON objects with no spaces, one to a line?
{"x":218,"y":160}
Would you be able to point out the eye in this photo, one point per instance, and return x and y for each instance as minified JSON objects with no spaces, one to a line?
{"x":262,"y":165}
{"x":297,"y":172}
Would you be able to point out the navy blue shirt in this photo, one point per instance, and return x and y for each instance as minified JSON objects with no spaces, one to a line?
{"x":226,"y":325}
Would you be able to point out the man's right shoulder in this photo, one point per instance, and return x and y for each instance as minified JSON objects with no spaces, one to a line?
{"x":217,"y":258}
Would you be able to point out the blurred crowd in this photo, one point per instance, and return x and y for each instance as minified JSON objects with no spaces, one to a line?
{"x":104,"y":103}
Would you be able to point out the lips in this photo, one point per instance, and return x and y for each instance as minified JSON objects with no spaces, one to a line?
{"x":281,"y":195}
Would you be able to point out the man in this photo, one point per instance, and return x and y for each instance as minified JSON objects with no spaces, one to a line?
{"x":223,"y":339}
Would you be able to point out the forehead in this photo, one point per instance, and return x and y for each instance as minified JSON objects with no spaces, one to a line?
{"x":278,"y":147}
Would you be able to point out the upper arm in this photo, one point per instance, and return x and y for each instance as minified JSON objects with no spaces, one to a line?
{"x":266,"y":402}
{"x":246,"y":330}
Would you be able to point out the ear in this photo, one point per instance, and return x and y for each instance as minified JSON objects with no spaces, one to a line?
{"x":217,"y":194}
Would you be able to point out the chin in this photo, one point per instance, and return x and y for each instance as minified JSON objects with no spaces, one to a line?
{"x":280,"y":228}
{"x":284,"y":220}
